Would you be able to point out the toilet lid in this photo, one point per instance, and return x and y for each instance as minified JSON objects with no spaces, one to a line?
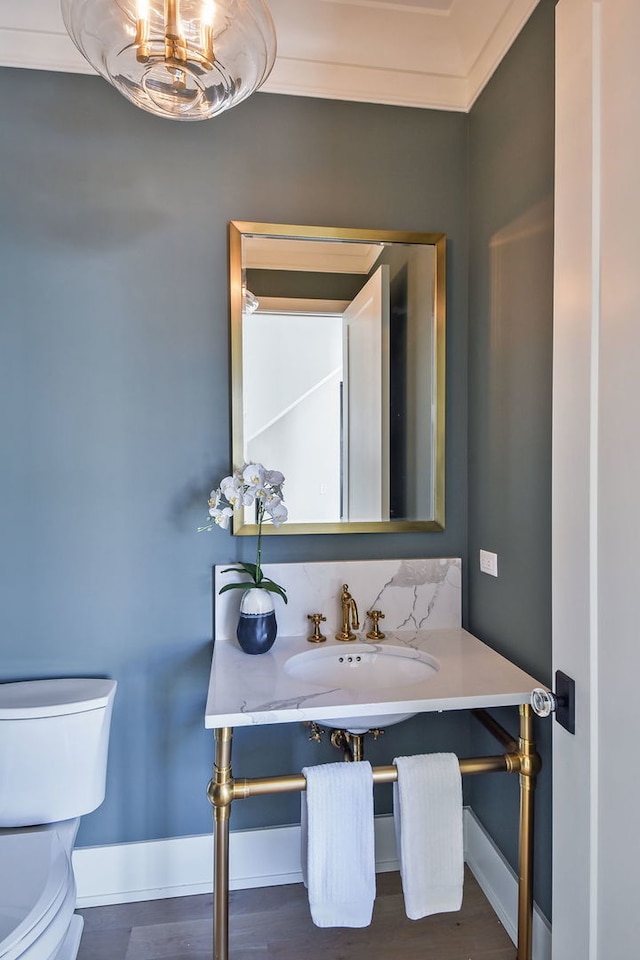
{"x":30,"y":699}
{"x":35,"y":873}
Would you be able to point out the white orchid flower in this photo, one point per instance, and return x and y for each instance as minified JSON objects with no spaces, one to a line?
{"x":274,"y":478}
{"x":232,"y":490}
{"x":253,"y":474}
{"x":253,"y":479}
{"x":221,"y":516}
{"x":278,"y":512}
{"x":214,"y":499}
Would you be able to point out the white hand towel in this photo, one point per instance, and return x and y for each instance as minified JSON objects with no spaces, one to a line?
{"x":427,"y":807}
{"x":338,"y":858}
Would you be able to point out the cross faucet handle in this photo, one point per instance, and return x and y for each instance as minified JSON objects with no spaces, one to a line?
{"x":316,"y":619}
{"x":375,"y":633}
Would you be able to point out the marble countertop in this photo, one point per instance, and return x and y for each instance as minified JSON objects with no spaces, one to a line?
{"x":246,"y":690}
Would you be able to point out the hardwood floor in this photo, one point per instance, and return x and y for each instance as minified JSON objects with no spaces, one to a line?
{"x":273,"y":923}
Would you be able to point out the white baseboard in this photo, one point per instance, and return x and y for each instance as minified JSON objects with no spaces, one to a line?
{"x":180,"y":867}
{"x":499,"y":884}
{"x":126,"y":872}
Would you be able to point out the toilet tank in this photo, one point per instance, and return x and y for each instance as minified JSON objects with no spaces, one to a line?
{"x":54,"y":739}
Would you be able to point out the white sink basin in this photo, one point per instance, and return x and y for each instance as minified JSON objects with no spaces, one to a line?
{"x":361,"y":668}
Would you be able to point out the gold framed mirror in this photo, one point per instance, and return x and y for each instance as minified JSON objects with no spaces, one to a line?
{"x":338,"y":374}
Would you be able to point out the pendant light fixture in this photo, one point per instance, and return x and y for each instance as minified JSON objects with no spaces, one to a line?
{"x":180,"y":59}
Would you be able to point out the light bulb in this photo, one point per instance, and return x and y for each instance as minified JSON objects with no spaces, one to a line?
{"x":142,"y":30}
{"x":207,"y":20}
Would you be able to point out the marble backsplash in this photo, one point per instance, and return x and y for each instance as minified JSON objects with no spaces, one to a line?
{"x":412,"y":594}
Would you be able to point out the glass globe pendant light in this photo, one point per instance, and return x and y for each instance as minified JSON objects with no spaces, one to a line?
{"x":181,"y":59}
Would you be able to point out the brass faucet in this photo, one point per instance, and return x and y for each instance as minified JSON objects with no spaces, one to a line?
{"x":349,"y":615}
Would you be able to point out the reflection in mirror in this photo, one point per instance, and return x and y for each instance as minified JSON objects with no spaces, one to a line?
{"x":338,"y":356}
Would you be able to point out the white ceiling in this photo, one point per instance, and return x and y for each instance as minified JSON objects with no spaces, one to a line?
{"x":417,"y":53}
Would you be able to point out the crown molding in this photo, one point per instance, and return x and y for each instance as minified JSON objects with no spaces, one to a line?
{"x":494,"y":51}
{"x":41,"y":50}
{"x":400,"y":54}
{"x":330,"y":81}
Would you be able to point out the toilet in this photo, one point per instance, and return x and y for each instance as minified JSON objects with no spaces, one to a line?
{"x":54,"y":739}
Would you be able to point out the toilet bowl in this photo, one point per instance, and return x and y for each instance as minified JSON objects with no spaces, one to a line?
{"x":53,"y":756}
{"x":37,"y":893}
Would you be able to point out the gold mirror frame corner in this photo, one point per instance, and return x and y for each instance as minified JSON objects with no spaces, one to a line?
{"x":240,"y":228}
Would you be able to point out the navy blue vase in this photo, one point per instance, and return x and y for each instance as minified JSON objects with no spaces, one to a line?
{"x":257,"y":627}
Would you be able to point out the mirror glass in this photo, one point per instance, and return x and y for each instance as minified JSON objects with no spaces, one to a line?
{"x":338,"y":366}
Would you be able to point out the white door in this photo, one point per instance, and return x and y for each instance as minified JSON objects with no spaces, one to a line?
{"x":573,"y":517}
{"x":596,"y":477}
{"x":366,"y":401}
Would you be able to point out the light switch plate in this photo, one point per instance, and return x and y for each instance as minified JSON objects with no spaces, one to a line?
{"x":489,"y":563}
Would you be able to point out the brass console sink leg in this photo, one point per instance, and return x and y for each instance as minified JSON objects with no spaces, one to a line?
{"x":529,"y":767}
{"x":220,"y":793}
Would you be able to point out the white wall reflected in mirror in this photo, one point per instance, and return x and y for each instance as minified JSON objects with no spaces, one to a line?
{"x":292,"y":411}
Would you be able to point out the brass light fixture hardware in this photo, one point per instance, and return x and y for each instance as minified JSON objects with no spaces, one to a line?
{"x":523,"y":760}
{"x":349,"y":616}
{"x":375,"y":633}
{"x":179,"y":59}
{"x":316,"y":636}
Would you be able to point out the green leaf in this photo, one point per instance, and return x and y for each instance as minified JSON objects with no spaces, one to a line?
{"x":236,"y":586}
{"x":251,"y":569}
{"x":248,"y":568}
{"x":272,"y":587}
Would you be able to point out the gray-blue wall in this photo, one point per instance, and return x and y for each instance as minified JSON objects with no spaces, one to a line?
{"x":511,"y":134}
{"x":114,"y":387}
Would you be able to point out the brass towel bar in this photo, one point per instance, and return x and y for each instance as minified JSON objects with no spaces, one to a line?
{"x":521,"y":758}
{"x":261,"y":786}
